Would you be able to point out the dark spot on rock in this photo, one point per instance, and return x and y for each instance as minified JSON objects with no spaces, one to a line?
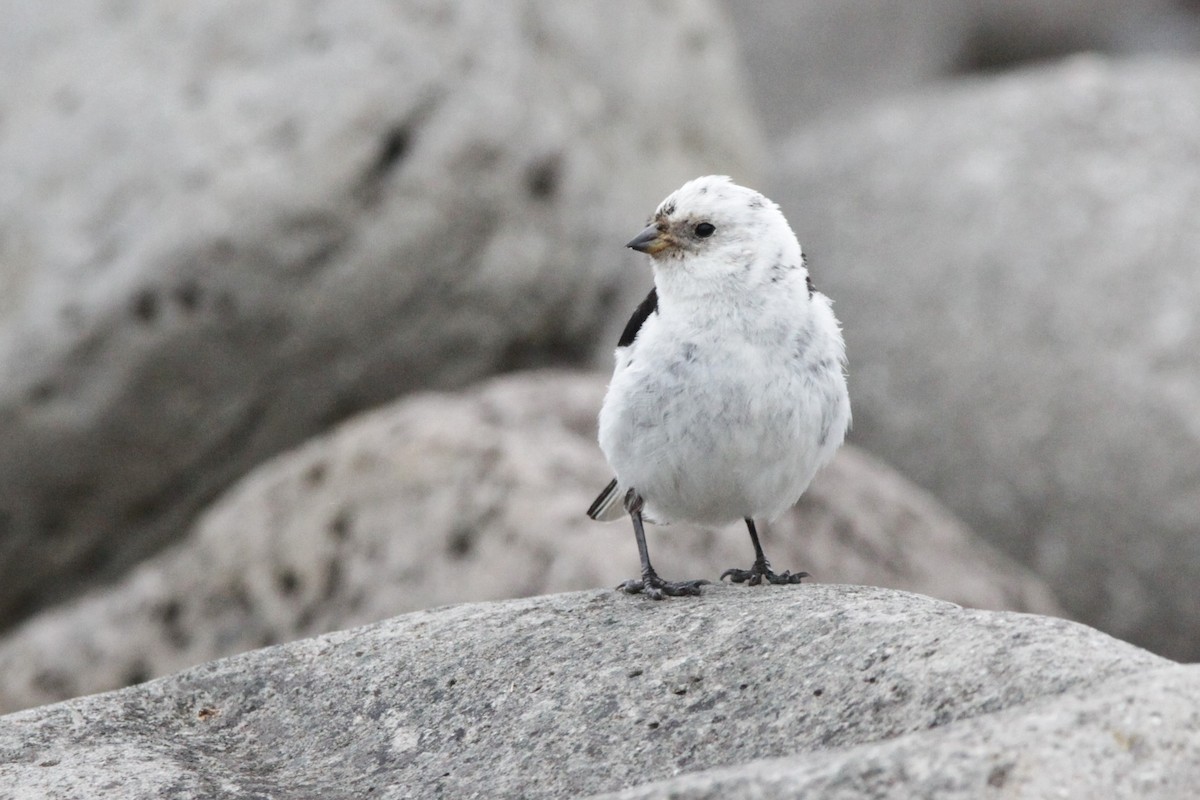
{"x":240,"y":598}
{"x":339,"y":526}
{"x":995,"y":47}
{"x":394,"y":146}
{"x":818,"y":692}
{"x":544,"y":177}
{"x":392,"y":150}
{"x":460,"y":543}
{"x":636,"y":673}
{"x":207,"y":713}
{"x":999,"y":775}
{"x":315,"y":475}
{"x":707,"y":704}
{"x":169,"y":612}
{"x":188,"y":296}
{"x":145,"y":306}
{"x":138,"y":672}
{"x":744,"y":686}
{"x":287,"y":581}
{"x":652,"y":726}
{"x":42,"y":392}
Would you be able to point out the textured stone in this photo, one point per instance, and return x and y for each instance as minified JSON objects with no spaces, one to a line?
{"x":225,"y":225}
{"x":443,"y":498}
{"x":568,"y":695}
{"x":1135,"y":737}
{"x":1014,"y":261}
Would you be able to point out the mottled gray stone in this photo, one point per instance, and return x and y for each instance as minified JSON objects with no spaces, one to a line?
{"x":1135,"y":737}
{"x":443,"y":498}
{"x":1014,"y":261}
{"x":558,"y":696}
{"x":226,"y":225}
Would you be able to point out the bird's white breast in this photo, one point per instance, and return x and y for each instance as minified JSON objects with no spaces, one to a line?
{"x":719,"y":413}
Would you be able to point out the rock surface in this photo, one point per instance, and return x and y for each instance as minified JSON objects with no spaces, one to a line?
{"x":226,"y":225}
{"x":443,"y":498}
{"x":1136,"y":737}
{"x":582,"y":693}
{"x":1014,"y":261}
{"x":808,"y":57}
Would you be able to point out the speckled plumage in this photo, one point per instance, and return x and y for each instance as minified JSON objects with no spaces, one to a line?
{"x":731,"y":393}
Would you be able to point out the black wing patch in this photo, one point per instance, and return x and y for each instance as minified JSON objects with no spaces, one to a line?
{"x":811,"y":287}
{"x":644,"y":310}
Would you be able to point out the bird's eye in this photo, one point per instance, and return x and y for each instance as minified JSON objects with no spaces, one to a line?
{"x":705,"y":230}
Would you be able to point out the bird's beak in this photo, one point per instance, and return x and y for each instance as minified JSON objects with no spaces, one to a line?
{"x":651,"y":240}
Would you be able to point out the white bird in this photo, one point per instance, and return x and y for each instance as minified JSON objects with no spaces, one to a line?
{"x":729,"y":391}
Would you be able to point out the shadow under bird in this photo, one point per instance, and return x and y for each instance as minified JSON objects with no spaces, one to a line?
{"x":729,"y":390}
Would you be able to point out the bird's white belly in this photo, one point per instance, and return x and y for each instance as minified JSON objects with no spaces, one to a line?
{"x":718,"y":441}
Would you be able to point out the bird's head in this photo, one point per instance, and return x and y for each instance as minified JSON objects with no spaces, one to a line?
{"x":713,"y":225}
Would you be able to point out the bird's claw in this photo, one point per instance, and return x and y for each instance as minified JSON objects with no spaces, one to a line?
{"x":656,"y":588}
{"x":754,"y":576}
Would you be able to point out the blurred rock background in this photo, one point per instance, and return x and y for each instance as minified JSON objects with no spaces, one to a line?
{"x":227,"y":228}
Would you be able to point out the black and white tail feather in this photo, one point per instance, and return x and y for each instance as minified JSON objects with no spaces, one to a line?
{"x":609,"y":506}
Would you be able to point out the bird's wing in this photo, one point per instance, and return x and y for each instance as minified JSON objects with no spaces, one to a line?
{"x":640,"y":314}
{"x":609,"y":506}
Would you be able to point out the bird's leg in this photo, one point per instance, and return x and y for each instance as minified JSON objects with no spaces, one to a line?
{"x":761,"y":568}
{"x":651,"y":585}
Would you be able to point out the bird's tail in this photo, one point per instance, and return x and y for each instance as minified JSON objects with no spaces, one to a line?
{"x":608,"y":506}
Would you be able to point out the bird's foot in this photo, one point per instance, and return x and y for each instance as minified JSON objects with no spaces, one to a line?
{"x":761,"y":569}
{"x":656,"y":588}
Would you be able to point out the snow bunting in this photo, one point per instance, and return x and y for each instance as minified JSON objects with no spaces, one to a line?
{"x":729,"y":391}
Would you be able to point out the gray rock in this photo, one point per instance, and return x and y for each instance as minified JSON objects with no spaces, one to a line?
{"x":565,"y":695}
{"x":1014,"y":262}
{"x":1135,"y":737}
{"x":443,"y":498}
{"x":806,"y":58}
{"x":224,"y":227}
